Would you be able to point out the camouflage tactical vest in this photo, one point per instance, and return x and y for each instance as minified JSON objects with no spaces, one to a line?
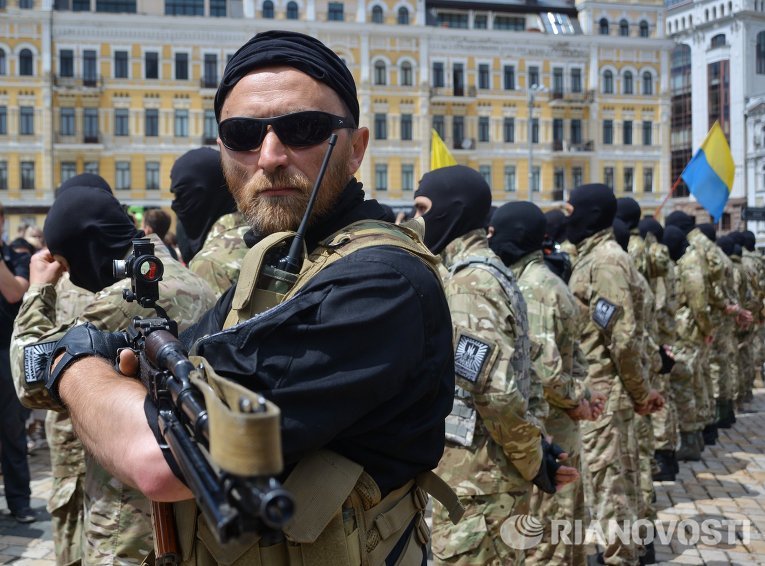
{"x":461,"y":422}
{"x":348,"y":524}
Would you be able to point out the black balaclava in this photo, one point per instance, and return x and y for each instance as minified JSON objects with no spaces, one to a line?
{"x":201,"y":196}
{"x":650,"y":224}
{"x":708,"y":230}
{"x":519,"y":229}
{"x":728,"y":245}
{"x":90,"y":229}
{"x":749,"y":240}
{"x":305,"y":53}
{"x":681,"y":220}
{"x":556,"y":225}
{"x":628,"y":211}
{"x":594,"y":210}
{"x":621,"y":234}
{"x":84,"y":180}
{"x":676,"y":241}
{"x":489,"y":216}
{"x":461,"y":200}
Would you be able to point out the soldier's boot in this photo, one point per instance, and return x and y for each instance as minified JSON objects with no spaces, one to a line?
{"x":689,"y":449}
{"x":700,"y":440}
{"x":710,"y":435}
{"x":650,"y":554}
{"x":723,"y":414}
{"x":666,"y":469}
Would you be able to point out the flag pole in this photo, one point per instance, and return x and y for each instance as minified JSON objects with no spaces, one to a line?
{"x":671,"y":192}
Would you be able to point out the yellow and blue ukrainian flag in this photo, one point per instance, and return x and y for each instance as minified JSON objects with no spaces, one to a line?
{"x":440,"y":156}
{"x":710,"y":173}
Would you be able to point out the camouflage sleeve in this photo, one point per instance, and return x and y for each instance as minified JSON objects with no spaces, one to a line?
{"x":695,"y":291}
{"x":616,"y":315}
{"x":35,"y":323}
{"x":549,"y":330}
{"x":499,"y":400}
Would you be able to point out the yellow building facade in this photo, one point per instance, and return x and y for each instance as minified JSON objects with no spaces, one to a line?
{"x":121,"y":88}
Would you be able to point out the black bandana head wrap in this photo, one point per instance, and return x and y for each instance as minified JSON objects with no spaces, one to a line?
{"x":291,"y":49}
{"x":676,"y":242}
{"x":519,"y":229}
{"x":681,"y":220}
{"x":708,"y":230}
{"x":650,"y":224}
{"x":556,"y":225}
{"x":461,"y":200}
{"x":594,"y":210}
{"x":201,"y":196}
{"x":749,"y":240}
{"x":90,"y":229}
{"x":628,"y":211}
{"x":621,"y":233}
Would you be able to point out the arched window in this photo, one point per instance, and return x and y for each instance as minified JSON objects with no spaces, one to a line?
{"x":717,"y":41}
{"x":647,"y":83}
{"x":714,"y":12}
{"x":628,"y":86}
{"x":644,"y":29}
{"x":760,"y":53}
{"x":292,"y":11}
{"x":380,"y":73}
{"x":722,"y":10}
{"x":403,"y":16}
{"x":624,"y":28}
{"x":377,"y":15}
{"x":268,"y":10}
{"x":3,"y":68}
{"x":406,"y":74}
{"x":603,"y":26}
{"x":706,"y":14}
{"x":26,"y":63}
{"x":608,"y":82}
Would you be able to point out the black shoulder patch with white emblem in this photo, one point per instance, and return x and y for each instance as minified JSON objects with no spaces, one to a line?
{"x":604,"y":313}
{"x":470,"y":357}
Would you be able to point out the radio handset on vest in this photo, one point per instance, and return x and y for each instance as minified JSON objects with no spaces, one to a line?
{"x":293,"y":261}
{"x":278,"y":272}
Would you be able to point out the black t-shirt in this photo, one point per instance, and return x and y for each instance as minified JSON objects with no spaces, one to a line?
{"x":18,"y":264}
{"x":360,"y":361}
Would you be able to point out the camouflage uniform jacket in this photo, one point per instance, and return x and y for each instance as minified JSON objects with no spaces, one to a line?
{"x":117,"y":527}
{"x":664,"y":286}
{"x":219,"y":260}
{"x":755,"y":269}
{"x":492,"y":447}
{"x":554,"y":324}
{"x":720,"y":273}
{"x":742,"y":285}
{"x":606,"y":284}
{"x":694,"y":317}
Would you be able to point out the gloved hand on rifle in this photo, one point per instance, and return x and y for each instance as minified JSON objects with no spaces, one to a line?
{"x":553,"y":475}
{"x":78,"y":342}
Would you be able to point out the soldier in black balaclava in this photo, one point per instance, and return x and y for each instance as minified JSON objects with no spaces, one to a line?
{"x":557,"y":260}
{"x":488,"y":315}
{"x":676,"y":241}
{"x":594,"y":208}
{"x":708,"y":230}
{"x":649,"y":225}
{"x":681,"y":220}
{"x":621,"y":234}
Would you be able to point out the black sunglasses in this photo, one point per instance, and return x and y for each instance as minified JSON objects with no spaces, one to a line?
{"x":299,"y":129}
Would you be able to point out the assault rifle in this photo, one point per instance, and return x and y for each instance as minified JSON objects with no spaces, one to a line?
{"x":229,"y":455}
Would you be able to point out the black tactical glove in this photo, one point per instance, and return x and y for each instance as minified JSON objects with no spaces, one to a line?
{"x":545,"y":478}
{"x":78,"y":342}
{"x":667,"y":363}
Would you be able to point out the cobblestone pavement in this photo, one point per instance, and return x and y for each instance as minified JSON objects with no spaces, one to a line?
{"x":728,"y":484}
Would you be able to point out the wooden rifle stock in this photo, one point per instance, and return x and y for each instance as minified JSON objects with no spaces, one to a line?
{"x":165,"y":538}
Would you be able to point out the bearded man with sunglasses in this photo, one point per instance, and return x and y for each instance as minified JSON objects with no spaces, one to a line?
{"x":357,"y":356}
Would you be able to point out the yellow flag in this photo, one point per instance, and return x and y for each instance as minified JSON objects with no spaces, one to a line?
{"x":439,"y":153}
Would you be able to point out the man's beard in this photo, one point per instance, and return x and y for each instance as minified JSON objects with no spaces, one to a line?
{"x":277,"y":213}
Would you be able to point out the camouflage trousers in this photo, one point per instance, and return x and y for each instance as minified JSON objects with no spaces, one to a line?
{"x":745,"y":365}
{"x":476,"y":540}
{"x":117,"y":527}
{"x":702,"y":387}
{"x":646,"y":447}
{"x":565,"y":505}
{"x":65,"y":508}
{"x":682,"y":384}
{"x":611,"y":452}
{"x":723,"y":362}
{"x":664,"y":422}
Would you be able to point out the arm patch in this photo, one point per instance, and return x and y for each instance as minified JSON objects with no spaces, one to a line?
{"x":604,"y":314}
{"x":473,"y":360}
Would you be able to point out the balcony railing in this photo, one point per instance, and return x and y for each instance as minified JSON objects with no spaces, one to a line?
{"x":558,"y":194}
{"x":584,"y":146}
{"x":91,"y":138}
{"x":557,"y":145}
{"x":78,"y":82}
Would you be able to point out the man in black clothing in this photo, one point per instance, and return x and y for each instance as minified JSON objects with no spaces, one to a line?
{"x":360,"y":359}
{"x":14,"y":281}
